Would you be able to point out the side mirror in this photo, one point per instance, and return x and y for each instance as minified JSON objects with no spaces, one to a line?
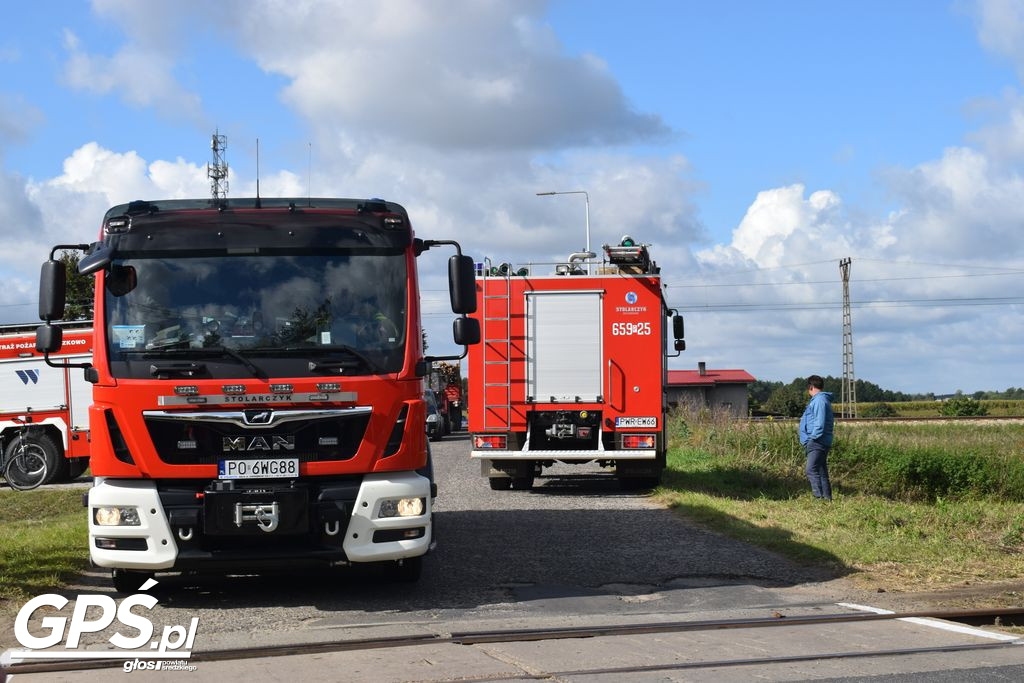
{"x":462,"y":284}
{"x":680,"y":345}
{"x":677,"y":327}
{"x":49,"y":338}
{"x":52,"y":290}
{"x":97,"y":258}
{"x":466,"y":331}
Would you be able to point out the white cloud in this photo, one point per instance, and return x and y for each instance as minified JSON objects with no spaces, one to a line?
{"x":18,"y":118}
{"x":472,"y":75}
{"x":1001,"y":29}
{"x":138,"y":73}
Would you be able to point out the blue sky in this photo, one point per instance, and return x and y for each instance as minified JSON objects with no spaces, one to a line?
{"x":752,"y":144}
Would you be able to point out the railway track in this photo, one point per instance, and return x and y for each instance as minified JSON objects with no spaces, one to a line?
{"x":1007,"y":616}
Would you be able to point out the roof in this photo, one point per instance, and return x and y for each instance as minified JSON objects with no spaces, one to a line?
{"x":709,"y":378}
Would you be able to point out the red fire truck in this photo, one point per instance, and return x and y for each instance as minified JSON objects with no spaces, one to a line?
{"x":257,"y":384}
{"x":572,"y":368}
{"x":54,"y":399}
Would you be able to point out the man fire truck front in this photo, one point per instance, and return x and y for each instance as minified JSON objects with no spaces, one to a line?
{"x":241,"y":417}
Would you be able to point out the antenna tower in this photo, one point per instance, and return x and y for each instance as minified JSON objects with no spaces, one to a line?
{"x":849,"y":389}
{"x":218,"y":170}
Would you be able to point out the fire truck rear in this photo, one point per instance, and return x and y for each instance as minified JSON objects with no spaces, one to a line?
{"x":257,"y":385}
{"x":572,"y":368}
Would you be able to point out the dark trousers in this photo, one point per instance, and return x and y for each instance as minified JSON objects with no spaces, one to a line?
{"x":817,"y":470}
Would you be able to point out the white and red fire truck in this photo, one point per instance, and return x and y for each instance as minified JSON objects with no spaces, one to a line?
{"x":57,"y":399}
{"x":572,"y":368}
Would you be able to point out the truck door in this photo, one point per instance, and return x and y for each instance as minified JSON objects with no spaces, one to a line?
{"x":563,"y":346}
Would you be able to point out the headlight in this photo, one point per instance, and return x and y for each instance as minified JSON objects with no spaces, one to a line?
{"x":116,"y":516}
{"x":431,"y":418}
{"x":402,"y":507}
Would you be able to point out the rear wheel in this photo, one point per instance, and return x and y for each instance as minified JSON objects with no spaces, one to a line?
{"x":639,"y":483}
{"x":500,"y":483}
{"x":522,"y":483}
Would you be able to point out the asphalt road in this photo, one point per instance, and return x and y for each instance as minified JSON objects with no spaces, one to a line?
{"x":573,"y":551}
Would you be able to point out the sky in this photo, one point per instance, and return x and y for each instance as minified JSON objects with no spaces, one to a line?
{"x":752,"y":146}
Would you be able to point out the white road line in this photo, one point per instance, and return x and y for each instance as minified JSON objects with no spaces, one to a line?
{"x":935,"y":623}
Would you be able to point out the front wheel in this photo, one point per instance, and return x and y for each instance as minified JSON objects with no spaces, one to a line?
{"x":129,"y":580}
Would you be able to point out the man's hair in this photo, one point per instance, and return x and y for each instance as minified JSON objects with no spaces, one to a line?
{"x":816,"y":381}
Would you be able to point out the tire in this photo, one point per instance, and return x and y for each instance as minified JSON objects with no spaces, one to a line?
{"x":43,"y":444}
{"x":129,"y":580}
{"x":639,"y":483}
{"x":500,"y":483}
{"x":76,"y":466}
{"x":398,"y":571}
{"x":409,"y":570}
{"x":522,"y":483}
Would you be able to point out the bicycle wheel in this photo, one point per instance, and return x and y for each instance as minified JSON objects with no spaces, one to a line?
{"x":37,"y":442}
{"x":27,"y":468}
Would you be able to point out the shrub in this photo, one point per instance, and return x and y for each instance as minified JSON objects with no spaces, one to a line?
{"x":962,"y":406}
{"x":877,"y":410}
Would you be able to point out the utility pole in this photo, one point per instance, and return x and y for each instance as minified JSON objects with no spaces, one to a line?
{"x":217,"y":171}
{"x":849,"y":388}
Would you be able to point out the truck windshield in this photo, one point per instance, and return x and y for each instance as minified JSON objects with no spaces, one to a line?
{"x":349,"y":303}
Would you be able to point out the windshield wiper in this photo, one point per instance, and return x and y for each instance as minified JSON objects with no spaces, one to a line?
{"x":355,"y":357}
{"x":198,"y":352}
{"x":232,"y":353}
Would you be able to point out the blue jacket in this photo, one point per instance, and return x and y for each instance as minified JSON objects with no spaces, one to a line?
{"x":816,"y":423}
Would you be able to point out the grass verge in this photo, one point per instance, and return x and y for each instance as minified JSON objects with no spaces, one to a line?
{"x":43,"y":542}
{"x":898,"y":535}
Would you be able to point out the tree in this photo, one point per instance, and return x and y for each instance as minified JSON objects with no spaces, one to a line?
{"x":788,"y":401}
{"x":79,"y":289}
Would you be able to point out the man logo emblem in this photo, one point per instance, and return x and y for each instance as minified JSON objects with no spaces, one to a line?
{"x":630,"y":298}
{"x":258,"y":417}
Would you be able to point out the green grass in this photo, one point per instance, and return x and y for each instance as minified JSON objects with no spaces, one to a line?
{"x":43,"y":543}
{"x":917,"y":506}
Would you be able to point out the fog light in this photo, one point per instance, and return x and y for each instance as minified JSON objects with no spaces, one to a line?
{"x":116,"y":516}
{"x":402,"y":507}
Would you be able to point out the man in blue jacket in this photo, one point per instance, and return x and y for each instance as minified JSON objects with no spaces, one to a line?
{"x":816,"y":436}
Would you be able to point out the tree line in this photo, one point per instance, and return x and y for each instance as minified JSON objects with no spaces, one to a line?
{"x":780,"y":398}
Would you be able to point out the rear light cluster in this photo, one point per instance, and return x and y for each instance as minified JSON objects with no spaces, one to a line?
{"x":638,"y":440}
{"x":499,"y":442}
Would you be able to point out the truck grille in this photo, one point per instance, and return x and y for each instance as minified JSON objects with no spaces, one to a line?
{"x":204,"y":438}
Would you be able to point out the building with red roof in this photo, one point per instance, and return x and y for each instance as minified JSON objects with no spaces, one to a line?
{"x":724,"y":390}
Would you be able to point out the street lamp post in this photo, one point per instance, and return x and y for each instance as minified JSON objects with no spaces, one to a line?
{"x":587,"y":198}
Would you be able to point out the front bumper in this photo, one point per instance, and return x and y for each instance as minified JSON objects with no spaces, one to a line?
{"x":317,"y":521}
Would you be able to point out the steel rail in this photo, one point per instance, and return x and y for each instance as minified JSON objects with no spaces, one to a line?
{"x":522,"y":635}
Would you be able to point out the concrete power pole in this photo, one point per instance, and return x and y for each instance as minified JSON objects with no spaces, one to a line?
{"x":218,"y":170}
{"x":849,"y":388}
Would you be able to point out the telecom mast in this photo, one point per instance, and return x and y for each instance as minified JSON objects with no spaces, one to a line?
{"x":218,"y":170}
{"x":849,"y":388}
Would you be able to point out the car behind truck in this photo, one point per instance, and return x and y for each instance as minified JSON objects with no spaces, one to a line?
{"x":257,"y":384}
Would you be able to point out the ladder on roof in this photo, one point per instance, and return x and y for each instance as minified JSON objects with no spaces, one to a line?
{"x":497,"y":320}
